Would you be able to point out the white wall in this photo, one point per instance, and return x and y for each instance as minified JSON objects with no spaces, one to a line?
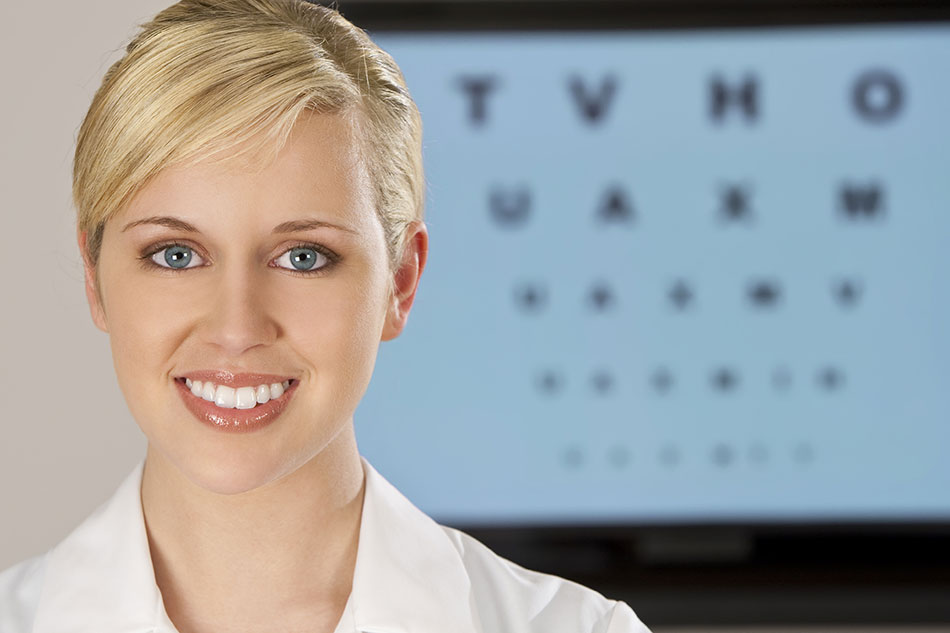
{"x":66,"y":436}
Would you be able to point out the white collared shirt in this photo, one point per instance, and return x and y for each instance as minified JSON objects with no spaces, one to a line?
{"x":412,"y":575}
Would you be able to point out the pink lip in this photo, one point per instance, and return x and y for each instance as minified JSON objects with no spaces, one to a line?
{"x":229,"y":379}
{"x":236,"y":420}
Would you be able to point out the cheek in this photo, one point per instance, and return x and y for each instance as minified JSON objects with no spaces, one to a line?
{"x":336,"y":326}
{"x":146,"y":324}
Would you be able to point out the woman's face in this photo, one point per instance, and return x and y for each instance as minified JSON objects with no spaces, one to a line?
{"x":219,"y":268}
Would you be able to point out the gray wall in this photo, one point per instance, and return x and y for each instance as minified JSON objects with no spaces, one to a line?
{"x":67,"y":436}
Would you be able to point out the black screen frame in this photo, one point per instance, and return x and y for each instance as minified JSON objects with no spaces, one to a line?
{"x":723,"y":573}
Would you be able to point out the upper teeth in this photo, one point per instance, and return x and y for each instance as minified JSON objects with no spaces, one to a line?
{"x":240,"y":398}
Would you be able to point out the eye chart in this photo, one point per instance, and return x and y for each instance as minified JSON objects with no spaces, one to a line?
{"x":676,"y":276}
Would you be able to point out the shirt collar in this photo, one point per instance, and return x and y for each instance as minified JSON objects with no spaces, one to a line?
{"x":100,"y":577}
{"x":409,"y":577}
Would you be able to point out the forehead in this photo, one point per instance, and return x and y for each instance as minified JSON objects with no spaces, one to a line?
{"x":319,"y":170}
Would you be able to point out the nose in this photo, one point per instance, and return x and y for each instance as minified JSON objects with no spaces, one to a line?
{"x":238,"y":318}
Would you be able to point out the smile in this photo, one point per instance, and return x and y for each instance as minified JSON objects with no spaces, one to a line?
{"x":240,"y":398}
{"x":248,"y":403}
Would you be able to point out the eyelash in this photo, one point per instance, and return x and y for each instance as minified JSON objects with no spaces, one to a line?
{"x":332,"y":258}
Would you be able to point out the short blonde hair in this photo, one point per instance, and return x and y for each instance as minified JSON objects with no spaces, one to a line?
{"x":205,"y":76}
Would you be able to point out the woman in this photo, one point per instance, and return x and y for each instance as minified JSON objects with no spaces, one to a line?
{"x":249,"y":188}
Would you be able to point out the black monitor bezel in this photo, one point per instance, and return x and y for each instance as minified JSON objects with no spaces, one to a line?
{"x":847,"y":571}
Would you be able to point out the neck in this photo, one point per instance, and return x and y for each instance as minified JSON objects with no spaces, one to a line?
{"x":231,"y":562}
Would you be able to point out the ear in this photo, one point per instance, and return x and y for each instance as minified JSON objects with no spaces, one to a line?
{"x":92,"y":292}
{"x":407,"y":280}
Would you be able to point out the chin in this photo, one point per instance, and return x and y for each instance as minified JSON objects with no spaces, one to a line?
{"x":230,"y":472}
{"x":228,"y":481}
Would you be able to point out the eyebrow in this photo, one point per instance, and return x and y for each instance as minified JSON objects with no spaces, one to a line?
{"x":285,"y":227}
{"x":170,"y":222}
{"x":305,"y":225}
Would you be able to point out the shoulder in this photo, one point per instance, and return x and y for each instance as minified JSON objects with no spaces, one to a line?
{"x":20,"y":587}
{"x":506,"y":595}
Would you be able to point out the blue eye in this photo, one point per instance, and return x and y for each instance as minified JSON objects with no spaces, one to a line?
{"x":176,"y":257}
{"x":302,"y":258}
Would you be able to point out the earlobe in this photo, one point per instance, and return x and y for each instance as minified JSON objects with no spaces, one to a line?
{"x":92,"y":293}
{"x":407,"y":280}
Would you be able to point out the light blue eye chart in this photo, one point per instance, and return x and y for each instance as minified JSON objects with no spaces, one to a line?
{"x":676,"y":276}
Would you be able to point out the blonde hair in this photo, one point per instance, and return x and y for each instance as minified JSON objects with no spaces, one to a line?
{"x":206,"y":76}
